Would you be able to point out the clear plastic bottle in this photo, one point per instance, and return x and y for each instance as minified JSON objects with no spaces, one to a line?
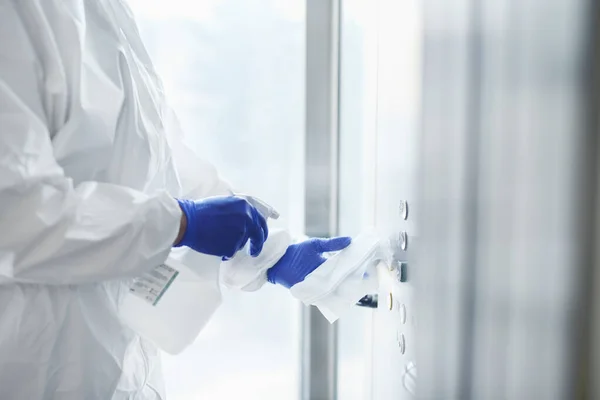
{"x":172,"y":303}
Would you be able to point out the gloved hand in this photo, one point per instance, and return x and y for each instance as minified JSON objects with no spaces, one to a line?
{"x":303,"y":258}
{"x":221,"y":226}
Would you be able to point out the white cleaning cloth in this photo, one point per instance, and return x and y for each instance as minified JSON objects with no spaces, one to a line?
{"x":344,"y":278}
{"x":247,"y":273}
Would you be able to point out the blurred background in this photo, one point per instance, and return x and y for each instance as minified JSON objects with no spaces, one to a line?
{"x":464,"y":130}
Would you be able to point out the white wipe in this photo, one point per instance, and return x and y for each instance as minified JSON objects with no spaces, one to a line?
{"x":247,"y":273}
{"x":344,"y":278}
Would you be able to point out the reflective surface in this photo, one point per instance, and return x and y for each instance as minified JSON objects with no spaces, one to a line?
{"x":234,"y":73}
{"x":379,"y":108}
{"x":506,"y":173}
{"x":398,"y":141}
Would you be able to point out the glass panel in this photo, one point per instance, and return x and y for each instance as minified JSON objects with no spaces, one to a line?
{"x":358,"y":108}
{"x":234,"y":72}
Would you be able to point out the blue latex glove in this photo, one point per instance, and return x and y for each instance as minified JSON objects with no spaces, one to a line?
{"x":221,"y":226}
{"x":303,"y":258}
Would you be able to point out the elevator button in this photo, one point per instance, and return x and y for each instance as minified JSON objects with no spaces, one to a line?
{"x":401,"y":272}
{"x":402,"y":311}
{"x":403,"y":209}
{"x":403,"y":240}
{"x":401,"y":342}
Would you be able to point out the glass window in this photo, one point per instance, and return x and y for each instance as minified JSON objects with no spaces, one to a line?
{"x":234,"y":73}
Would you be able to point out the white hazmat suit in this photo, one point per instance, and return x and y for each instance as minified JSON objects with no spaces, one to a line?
{"x":90,"y":161}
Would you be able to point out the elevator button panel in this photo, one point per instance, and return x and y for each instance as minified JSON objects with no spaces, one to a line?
{"x":395,"y":313}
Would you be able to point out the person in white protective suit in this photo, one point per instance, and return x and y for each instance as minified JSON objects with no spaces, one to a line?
{"x":96,"y":187}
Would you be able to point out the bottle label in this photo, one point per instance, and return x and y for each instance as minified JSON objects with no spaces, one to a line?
{"x":151,"y":286}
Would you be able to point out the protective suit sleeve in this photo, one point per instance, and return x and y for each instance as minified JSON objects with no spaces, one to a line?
{"x":53,"y":232}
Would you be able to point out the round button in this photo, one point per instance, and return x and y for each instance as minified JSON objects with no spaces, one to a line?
{"x":402,"y":311}
{"x":401,"y":342}
{"x":403,"y":240}
{"x":403,"y":209}
{"x":401,"y":271}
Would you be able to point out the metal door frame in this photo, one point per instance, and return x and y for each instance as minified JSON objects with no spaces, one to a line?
{"x":318,"y":336}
